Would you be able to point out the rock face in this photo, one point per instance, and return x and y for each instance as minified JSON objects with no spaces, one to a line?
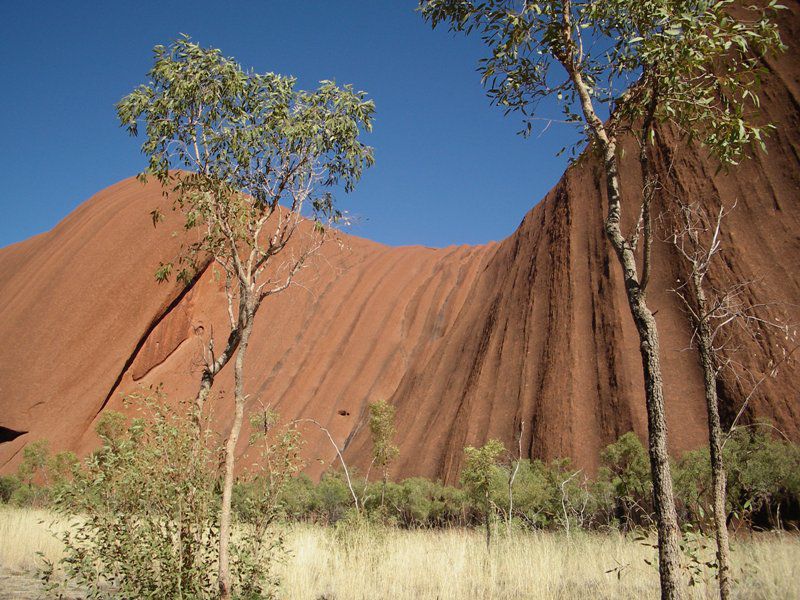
{"x":531,"y":334}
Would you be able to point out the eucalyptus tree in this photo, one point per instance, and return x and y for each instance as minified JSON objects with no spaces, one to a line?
{"x":252,"y":163}
{"x":382,"y":430}
{"x":480,"y":465}
{"x":692,"y":65}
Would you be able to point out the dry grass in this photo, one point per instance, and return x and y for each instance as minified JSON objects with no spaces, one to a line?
{"x":365,"y":563}
{"x":23,"y":533}
{"x":361,"y":564}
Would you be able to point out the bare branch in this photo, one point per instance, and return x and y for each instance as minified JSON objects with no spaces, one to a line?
{"x":338,"y":453}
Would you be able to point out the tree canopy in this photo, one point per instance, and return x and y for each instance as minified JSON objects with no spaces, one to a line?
{"x":693,"y":63}
{"x":251,"y":143}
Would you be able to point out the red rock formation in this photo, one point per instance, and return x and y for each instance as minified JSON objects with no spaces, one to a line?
{"x":467,"y":342}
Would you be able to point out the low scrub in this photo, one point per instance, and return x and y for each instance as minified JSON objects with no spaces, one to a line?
{"x":763,"y":475}
{"x":139,"y":517}
{"x":763,"y":488}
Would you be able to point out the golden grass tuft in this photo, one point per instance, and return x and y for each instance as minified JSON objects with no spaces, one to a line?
{"x":23,"y":533}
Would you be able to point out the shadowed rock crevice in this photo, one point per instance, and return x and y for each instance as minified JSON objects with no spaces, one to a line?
{"x":8,"y":435}
{"x":146,"y":337}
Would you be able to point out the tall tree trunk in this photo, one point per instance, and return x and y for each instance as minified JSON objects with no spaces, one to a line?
{"x":663,"y":497}
{"x":669,"y":564}
{"x":718,"y":474}
{"x":225,"y":584}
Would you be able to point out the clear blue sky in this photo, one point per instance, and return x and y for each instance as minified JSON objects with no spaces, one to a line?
{"x":450,"y":168}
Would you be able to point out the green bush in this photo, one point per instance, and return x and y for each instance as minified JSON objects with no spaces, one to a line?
{"x":534,"y":494}
{"x":144,"y":512}
{"x":39,"y":476}
{"x":625,"y":472}
{"x":693,"y":492}
{"x":333,"y":498}
{"x":31,"y":495}
{"x":420,"y":502}
{"x":299,"y":498}
{"x":763,"y":473}
{"x":763,"y":483}
{"x":763,"y":477}
{"x":8,"y":485}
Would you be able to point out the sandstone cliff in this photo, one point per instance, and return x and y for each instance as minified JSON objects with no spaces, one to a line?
{"x":467,"y":342}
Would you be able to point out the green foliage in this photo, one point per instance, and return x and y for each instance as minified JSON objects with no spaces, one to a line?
{"x":261,"y":157}
{"x":763,"y":480}
{"x":145,"y":509}
{"x":692,"y":63}
{"x":39,"y":475}
{"x":333,"y":497}
{"x":763,"y":476}
{"x":535,"y":498}
{"x":62,"y":467}
{"x":546,"y":495}
{"x":260,"y":493}
{"x":480,"y":469}
{"x":693,"y":487}
{"x":278,"y":461}
{"x":251,"y":142}
{"x":420,"y":502}
{"x":381,"y":426}
{"x":697,"y":63}
{"x":8,"y":485}
{"x":111,"y":428}
{"x":34,"y":461}
{"x":762,"y":472}
{"x":625,"y":472}
{"x":298,"y":499}
{"x":698,"y":550}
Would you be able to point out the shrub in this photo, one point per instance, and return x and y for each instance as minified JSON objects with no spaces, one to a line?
{"x":255,"y":552}
{"x":693,"y":487}
{"x":763,"y":476}
{"x":145,"y":507}
{"x":298,"y":498}
{"x":333,"y":499}
{"x":144,"y":513}
{"x":625,"y":469}
{"x":420,"y":502}
{"x":8,"y":485}
{"x":534,"y":494}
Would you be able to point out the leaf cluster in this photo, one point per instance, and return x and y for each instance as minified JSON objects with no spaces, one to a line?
{"x":247,"y":143}
{"x":142,"y":509}
{"x":695,"y":64}
{"x":382,"y":429}
{"x":479,"y":465}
